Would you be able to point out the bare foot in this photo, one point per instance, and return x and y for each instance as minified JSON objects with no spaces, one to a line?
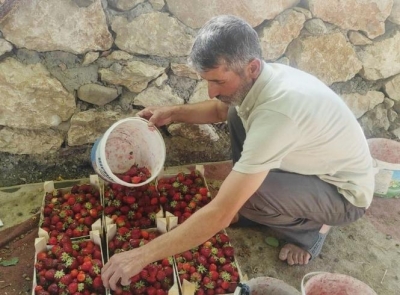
{"x":294,"y":255}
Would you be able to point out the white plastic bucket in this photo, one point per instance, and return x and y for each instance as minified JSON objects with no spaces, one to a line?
{"x":127,"y":142}
{"x":334,"y":284}
{"x":386,"y":154}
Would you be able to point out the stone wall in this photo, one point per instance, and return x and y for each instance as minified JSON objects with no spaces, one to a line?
{"x":71,"y":68}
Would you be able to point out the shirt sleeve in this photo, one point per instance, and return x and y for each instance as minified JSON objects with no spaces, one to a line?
{"x":270,"y":136}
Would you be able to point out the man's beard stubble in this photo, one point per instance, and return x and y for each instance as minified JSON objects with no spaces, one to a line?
{"x":237,"y":98}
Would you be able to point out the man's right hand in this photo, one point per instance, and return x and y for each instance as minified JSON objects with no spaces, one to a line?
{"x":157,"y":116}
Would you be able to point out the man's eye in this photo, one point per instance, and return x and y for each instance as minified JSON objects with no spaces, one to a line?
{"x":220,"y":82}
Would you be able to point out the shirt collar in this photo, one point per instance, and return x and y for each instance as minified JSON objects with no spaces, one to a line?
{"x":249,"y":101}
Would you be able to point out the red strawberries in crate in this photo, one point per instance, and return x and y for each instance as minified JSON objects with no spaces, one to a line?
{"x":131,"y":207}
{"x":156,"y":278}
{"x":183,"y":194}
{"x":71,"y":267}
{"x":210,"y":267}
{"x":70,"y":211}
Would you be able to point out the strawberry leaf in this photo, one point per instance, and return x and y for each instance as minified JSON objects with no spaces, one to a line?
{"x":273,"y":242}
{"x":9,"y":262}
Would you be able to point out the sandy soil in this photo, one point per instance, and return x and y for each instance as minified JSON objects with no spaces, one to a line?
{"x":368,"y":249}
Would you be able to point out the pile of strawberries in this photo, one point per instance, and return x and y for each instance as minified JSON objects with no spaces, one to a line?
{"x":156,"y":278}
{"x":70,"y":267}
{"x":183,"y":194}
{"x":210,"y":267}
{"x":71,"y":212}
{"x":135,"y":174}
{"x":131,"y":206}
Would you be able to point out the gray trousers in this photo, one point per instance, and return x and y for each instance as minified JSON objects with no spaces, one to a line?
{"x":293,"y":205}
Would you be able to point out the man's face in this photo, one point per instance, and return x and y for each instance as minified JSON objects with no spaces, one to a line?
{"x":227,"y":85}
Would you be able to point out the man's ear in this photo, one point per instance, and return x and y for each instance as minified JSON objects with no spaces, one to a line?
{"x":254,"y":68}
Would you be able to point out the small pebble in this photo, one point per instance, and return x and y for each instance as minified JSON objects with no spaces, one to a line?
{"x":388,"y":237}
{"x":27,"y":278}
{"x":336,"y":259}
{"x":24,"y":275}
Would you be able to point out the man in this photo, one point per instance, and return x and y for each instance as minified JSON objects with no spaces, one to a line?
{"x":301,"y":162}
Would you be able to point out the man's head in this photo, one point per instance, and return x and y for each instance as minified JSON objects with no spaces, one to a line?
{"x":225,"y":39}
{"x":227,"y":54}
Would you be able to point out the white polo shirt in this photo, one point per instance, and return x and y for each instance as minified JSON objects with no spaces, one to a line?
{"x":295,"y":123}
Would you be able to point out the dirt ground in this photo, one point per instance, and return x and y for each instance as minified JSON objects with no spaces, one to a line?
{"x":368,"y":250}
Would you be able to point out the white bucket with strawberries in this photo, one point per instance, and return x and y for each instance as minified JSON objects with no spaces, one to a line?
{"x":129,"y":153}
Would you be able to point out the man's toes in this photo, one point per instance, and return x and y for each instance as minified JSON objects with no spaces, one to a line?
{"x":291,"y":258}
{"x":283,"y":255}
{"x":298,"y":258}
{"x":306,"y":258}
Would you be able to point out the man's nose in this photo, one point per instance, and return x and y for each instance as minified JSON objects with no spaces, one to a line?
{"x":212,"y":90}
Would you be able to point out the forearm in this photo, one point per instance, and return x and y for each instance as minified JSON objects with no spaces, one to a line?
{"x":206,"y":112}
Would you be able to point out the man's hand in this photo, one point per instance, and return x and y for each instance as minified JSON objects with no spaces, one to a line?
{"x":122,"y":266}
{"x":157,"y":116}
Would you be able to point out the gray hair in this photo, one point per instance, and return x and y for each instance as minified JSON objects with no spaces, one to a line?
{"x":225,"y":39}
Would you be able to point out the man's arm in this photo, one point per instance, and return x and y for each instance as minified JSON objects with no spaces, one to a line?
{"x":234,"y":192}
{"x":209,"y":111}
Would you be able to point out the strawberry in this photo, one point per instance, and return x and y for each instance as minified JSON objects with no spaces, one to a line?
{"x":195,"y":277}
{"x":214,"y":275}
{"x":228,"y":268}
{"x":165,"y":262}
{"x":86,"y":266}
{"x":81,"y":277}
{"x":222,"y":238}
{"x":129,"y":200}
{"x":206,"y":252}
{"x":151,"y":290}
{"x":52,"y":241}
{"x":97,"y":283}
{"x":66,"y":279}
{"x":120,"y":221}
{"x":93,"y":213}
{"x":126,"y":178}
{"x":136,"y":179}
{"x":202,"y":260}
{"x":136,"y":233}
{"x":49,"y":275}
{"x":225,"y":285}
{"x":144,"y":274}
{"x":53,"y":289}
{"x":168,"y":271}
{"x":228,"y":251}
{"x":160,"y":275}
{"x":187,"y":255}
{"x":72,"y":288}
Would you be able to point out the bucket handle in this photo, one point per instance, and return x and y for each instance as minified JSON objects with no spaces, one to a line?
{"x":381,"y":165}
{"x":310,"y":274}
